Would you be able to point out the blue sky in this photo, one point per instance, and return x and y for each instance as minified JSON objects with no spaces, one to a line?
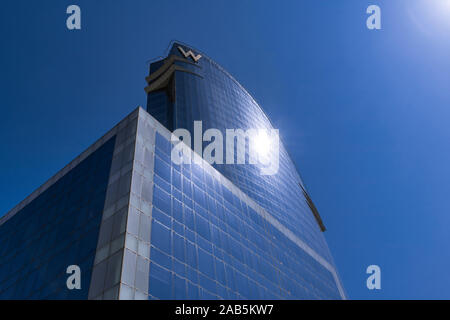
{"x":365,"y":114}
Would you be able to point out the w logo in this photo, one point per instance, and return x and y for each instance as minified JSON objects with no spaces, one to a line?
{"x":190,"y":53}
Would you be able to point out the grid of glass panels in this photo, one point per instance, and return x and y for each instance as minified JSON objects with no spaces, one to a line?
{"x":208,"y":244}
{"x":220,"y":102}
{"x":57,"y":229}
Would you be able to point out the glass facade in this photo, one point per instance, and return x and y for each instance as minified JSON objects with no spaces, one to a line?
{"x":226,"y":233}
{"x":57,"y":229}
{"x":205,"y":91}
{"x":207,"y":243}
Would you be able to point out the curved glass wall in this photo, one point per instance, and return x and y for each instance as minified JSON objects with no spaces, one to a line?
{"x":182,"y":90}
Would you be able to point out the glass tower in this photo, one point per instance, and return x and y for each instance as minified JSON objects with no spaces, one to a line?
{"x":140,"y":226}
{"x":188,"y":86}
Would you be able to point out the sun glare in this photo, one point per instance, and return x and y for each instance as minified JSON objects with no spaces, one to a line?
{"x":262,"y":143}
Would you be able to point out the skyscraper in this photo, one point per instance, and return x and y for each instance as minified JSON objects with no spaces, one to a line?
{"x":140,"y":226}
